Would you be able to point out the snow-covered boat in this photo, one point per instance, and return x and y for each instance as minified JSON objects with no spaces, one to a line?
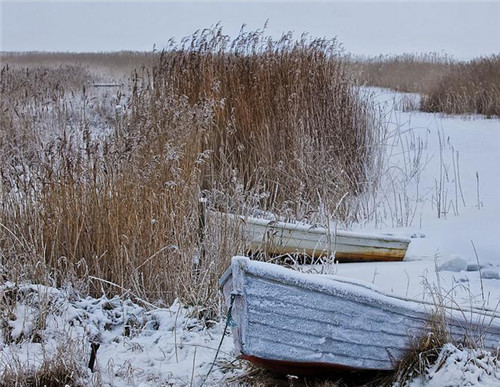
{"x":275,"y":237}
{"x":300,"y":323}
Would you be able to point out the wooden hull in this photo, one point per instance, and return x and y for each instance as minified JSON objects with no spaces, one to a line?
{"x":279,"y":238}
{"x":302,"y":323}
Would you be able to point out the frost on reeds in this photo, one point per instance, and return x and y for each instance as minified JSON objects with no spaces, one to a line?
{"x":447,"y":85}
{"x":287,"y":118}
{"x":246,"y":124}
{"x":104,"y":65}
{"x":471,"y":88}
{"x":410,"y":73}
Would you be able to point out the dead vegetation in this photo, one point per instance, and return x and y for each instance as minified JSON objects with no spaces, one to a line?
{"x":448,"y":86}
{"x":66,"y":367}
{"x":104,"y":66}
{"x":110,"y":190}
{"x":104,"y":191}
{"x":424,"y":351}
{"x":408,"y":73}
{"x":471,"y":88}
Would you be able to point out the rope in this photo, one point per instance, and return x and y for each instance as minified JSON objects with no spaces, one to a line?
{"x":229,"y":321}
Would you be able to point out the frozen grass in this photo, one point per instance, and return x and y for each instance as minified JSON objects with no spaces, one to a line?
{"x":105,"y":65}
{"x":447,"y":85}
{"x":104,"y":191}
{"x":424,"y":351}
{"x":471,"y":88}
{"x":410,"y":73}
{"x":64,"y":368}
{"x":46,"y":336}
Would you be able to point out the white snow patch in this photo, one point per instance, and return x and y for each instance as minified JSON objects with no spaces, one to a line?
{"x":137,"y":346}
{"x":457,"y":368}
{"x":490,"y":273}
{"x":455,"y":263}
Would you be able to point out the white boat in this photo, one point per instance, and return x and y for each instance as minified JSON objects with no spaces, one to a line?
{"x":278,"y":238}
{"x":299,"y":323}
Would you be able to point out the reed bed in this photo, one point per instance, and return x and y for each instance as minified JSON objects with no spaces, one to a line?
{"x":105,"y":66}
{"x":409,"y":73}
{"x":471,"y":88}
{"x":447,"y":86}
{"x":245,"y":125}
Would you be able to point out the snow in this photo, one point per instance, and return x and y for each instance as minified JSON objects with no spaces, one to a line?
{"x":455,"y":263}
{"x":490,"y":273}
{"x":457,"y":368}
{"x":468,"y":228}
{"x":456,"y":253}
{"x":137,"y":346}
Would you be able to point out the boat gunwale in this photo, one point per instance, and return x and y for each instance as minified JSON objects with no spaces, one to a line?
{"x":314,"y":229}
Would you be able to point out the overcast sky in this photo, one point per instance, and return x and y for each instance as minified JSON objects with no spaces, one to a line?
{"x":464,"y":30}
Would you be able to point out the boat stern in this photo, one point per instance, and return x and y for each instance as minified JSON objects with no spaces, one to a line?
{"x":232,"y":285}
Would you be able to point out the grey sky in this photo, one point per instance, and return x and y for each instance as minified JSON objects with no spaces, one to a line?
{"x":461,"y":29}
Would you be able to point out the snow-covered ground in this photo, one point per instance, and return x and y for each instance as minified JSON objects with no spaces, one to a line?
{"x":461,"y":367}
{"x":459,"y":167}
{"x":137,"y":346}
{"x":442,"y":188}
{"x":451,"y":162}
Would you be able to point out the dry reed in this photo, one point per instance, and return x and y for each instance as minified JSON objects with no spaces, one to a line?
{"x":105,"y":65}
{"x":471,"y":88}
{"x":410,"y":73}
{"x":107,"y":194}
{"x":446,"y":85}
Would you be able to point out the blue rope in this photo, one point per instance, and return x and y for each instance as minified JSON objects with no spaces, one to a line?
{"x":229,"y":321}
